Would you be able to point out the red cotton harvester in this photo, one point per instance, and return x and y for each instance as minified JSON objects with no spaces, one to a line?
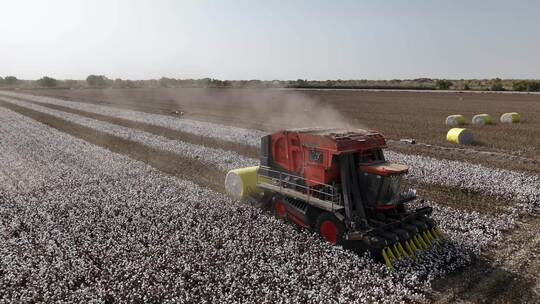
{"x":338,"y":183}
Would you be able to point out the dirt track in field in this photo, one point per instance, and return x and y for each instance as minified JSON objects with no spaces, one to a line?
{"x":168,"y":162}
{"x":468,"y":154}
{"x":504,"y":274}
{"x":396,"y":114}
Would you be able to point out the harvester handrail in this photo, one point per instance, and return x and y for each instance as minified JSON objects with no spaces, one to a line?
{"x":333,"y":194}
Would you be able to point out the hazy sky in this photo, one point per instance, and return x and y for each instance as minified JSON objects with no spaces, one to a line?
{"x":270,"y":39}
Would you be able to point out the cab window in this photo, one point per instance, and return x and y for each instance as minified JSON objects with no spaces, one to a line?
{"x":370,"y":156}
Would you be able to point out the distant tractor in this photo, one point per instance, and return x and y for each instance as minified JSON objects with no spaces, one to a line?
{"x":338,"y":183}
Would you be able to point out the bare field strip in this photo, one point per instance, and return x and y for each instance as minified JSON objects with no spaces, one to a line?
{"x":499,"y":159}
{"x":509,"y":185}
{"x":395,"y":114}
{"x":470,"y":155}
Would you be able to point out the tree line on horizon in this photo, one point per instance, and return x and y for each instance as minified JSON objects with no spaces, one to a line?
{"x":101,"y":81}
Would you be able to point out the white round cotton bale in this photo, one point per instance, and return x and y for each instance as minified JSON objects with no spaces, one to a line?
{"x":460,"y":136}
{"x":512,"y":117}
{"x":482,"y":119}
{"x":455,"y":120}
{"x":240,"y":183}
{"x":233,"y":185}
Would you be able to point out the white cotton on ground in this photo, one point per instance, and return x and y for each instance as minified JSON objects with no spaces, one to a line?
{"x":201,"y":128}
{"x":220,"y":158}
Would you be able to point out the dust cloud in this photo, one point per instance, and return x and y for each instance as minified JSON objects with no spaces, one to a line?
{"x":268,"y":109}
{"x":263,"y":109}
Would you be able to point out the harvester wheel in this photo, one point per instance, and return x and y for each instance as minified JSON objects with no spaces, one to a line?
{"x":330,"y":228}
{"x":279,"y":209}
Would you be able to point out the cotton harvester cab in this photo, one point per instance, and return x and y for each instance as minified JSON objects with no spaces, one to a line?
{"x":338,"y":183}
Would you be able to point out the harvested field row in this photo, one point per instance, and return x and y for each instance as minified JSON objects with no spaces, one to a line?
{"x":199,"y":128}
{"x":396,"y":114}
{"x":509,"y":185}
{"x":462,"y":199}
{"x":230,"y":136}
{"x":219,"y":158}
{"x":524,"y":188}
{"x":486,"y":158}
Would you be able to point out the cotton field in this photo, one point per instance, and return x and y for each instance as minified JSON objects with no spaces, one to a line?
{"x":100,"y":226}
{"x":79,"y":223}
